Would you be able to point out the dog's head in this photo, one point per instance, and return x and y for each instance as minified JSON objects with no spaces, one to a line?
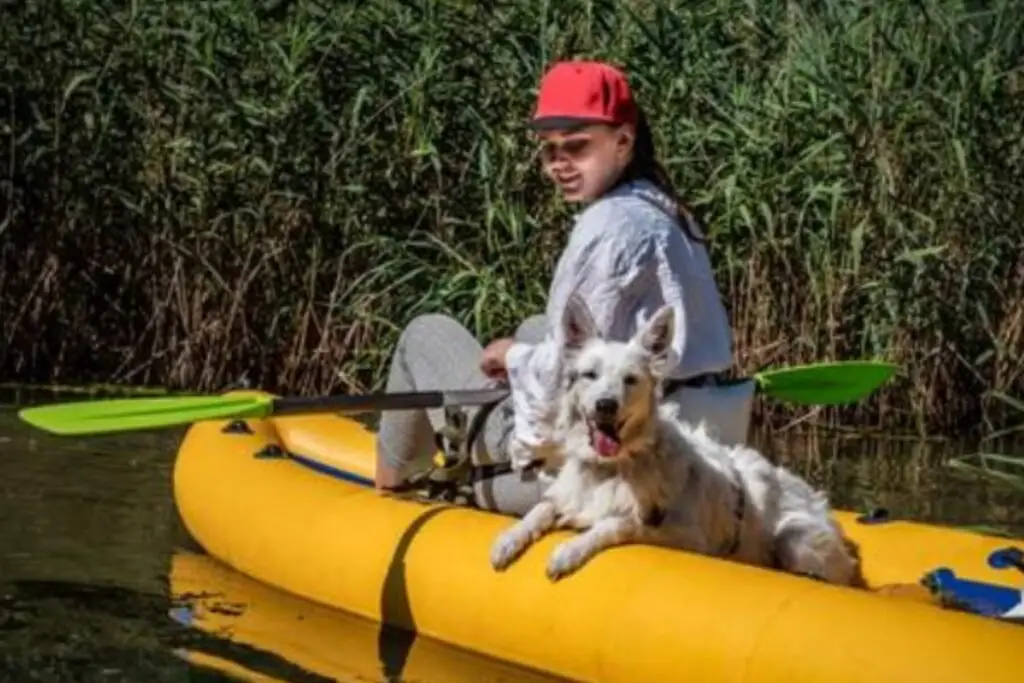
{"x":612,"y":388}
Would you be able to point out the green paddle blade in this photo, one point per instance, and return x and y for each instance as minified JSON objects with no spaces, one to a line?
{"x":833,"y":383}
{"x":126,"y":414}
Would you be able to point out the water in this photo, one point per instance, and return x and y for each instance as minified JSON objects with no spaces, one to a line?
{"x":909,"y":478}
{"x":98,"y":579}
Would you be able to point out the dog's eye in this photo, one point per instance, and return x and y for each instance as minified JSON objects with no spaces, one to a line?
{"x":590,"y":374}
{"x":629,"y":380}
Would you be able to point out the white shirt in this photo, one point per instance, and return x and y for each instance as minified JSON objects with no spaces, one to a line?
{"x":626,"y":257}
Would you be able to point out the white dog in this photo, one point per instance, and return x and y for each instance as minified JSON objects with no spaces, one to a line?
{"x":633,"y":471}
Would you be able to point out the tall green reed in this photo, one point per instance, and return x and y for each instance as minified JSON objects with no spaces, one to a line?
{"x":201,"y":192}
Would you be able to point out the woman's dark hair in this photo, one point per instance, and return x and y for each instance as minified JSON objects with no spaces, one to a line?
{"x":645,"y":165}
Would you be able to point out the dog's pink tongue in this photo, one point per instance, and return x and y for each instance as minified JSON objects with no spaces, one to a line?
{"x":604,"y":444}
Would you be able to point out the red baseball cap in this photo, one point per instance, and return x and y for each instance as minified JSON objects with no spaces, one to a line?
{"x":579,"y":92}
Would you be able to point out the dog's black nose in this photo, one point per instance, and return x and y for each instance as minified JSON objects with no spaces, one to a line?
{"x":606,"y":407}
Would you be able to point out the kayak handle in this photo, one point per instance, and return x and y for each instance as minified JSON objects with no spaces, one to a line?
{"x":1007,"y":557}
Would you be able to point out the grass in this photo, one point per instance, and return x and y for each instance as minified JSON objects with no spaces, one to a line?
{"x":197,"y":194}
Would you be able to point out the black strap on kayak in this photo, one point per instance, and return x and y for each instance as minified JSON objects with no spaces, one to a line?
{"x":462,"y":437}
{"x":455,"y":479}
{"x":490,"y":471}
{"x":455,"y":490}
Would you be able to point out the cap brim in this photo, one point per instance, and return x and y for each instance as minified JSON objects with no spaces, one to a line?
{"x":564,"y":122}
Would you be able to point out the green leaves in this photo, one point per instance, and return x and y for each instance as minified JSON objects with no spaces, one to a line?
{"x":206,"y":191}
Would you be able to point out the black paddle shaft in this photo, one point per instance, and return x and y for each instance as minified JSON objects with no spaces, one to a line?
{"x":370,"y":403}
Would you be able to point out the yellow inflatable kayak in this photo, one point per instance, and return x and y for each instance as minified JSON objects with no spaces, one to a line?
{"x":287,"y":502}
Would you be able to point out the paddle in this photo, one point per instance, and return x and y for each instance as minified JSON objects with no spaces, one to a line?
{"x":820,"y":383}
{"x":833,"y":383}
{"x":128,"y":414}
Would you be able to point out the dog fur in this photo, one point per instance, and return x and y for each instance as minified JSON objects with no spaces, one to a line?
{"x":632,"y":470}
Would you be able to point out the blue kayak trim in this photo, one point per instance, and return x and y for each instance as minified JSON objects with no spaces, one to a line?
{"x":979,"y":597}
{"x":333,"y":472}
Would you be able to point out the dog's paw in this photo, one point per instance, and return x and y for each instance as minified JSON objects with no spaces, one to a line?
{"x":567,"y":558}
{"x":507,"y":548}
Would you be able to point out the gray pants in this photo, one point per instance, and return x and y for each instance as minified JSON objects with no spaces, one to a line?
{"x":436,"y":352}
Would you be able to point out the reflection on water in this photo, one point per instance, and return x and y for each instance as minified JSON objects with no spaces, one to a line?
{"x":85,"y":527}
{"x":323,"y":641}
{"x":98,"y":581}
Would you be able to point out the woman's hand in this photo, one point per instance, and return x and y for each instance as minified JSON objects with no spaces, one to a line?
{"x":492,"y":362}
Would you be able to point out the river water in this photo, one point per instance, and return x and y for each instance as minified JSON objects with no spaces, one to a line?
{"x":99,"y":582}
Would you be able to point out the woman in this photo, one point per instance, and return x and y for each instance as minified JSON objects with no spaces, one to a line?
{"x":633,"y":248}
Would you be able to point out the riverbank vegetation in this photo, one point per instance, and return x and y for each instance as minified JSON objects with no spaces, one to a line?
{"x":197,"y":193}
{"x":1002,"y":457}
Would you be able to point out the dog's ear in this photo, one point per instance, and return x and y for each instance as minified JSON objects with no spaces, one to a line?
{"x":578,"y":324}
{"x":655,"y":339}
